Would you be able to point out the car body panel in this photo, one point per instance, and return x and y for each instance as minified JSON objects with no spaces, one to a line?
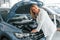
{"x":51,"y":15}
{"x":7,"y":29}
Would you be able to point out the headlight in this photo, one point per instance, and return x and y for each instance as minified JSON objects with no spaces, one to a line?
{"x":21,"y":35}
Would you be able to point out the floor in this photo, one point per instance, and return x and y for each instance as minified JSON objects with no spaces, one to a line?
{"x":56,"y":36}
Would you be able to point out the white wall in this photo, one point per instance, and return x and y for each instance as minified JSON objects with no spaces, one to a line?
{"x":9,"y":4}
{"x":52,"y":2}
{"x":12,"y":2}
{"x":46,"y":2}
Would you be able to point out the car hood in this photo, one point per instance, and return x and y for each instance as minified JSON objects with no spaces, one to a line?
{"x":9,"y":28}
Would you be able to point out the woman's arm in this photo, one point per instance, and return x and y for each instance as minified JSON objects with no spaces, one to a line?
{"x":40,"y":20}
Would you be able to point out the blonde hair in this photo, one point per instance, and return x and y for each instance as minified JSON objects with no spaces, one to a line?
{"x":32,"y":14}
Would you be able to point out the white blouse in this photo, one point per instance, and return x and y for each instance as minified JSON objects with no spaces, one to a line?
{"x":45,"y":23}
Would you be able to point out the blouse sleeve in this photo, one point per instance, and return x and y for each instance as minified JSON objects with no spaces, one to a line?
{"x":40,"y":20}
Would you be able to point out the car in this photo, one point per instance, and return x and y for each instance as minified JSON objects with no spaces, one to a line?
{"x":57,"y":10}
{"x":18,"y":24}
{"x":7,"y":31}
{"x":4,"y":12}
{"x":52,"y":14}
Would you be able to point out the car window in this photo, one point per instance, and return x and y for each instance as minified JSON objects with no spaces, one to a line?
{"x":4,"y":14}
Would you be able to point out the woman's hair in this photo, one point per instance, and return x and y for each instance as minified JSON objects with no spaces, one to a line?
{"x":32,"y":14}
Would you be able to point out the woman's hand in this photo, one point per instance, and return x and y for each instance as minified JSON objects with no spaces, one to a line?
{"x":34,"y":31}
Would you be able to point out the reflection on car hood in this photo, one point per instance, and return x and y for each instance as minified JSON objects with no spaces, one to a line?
{"x":9,"y":28}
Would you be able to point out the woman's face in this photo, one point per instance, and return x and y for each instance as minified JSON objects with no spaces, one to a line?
{"x":35,"y":9}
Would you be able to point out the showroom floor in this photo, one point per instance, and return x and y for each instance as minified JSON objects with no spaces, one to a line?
{"x":56,"y":36}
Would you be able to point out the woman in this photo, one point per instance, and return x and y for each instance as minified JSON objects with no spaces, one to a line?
{"x":43,"y":20}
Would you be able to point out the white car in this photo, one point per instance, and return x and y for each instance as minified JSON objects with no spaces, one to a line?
{"x":53,"y":13}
